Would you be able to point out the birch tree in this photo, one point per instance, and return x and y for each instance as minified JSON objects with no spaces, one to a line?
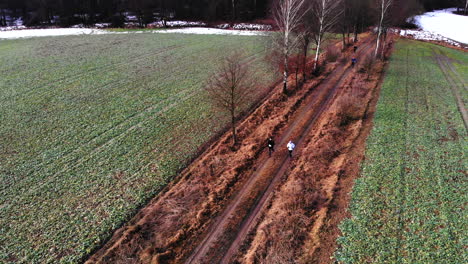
{"x":326,"y":14}
{"x":288,"y":15}
{"x":384,"y":7}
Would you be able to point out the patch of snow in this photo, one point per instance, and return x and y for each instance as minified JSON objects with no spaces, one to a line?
{"x":131,"y":18}
{"x":29,"y":33}
{"x":102,"y":25}
{"x":426,"y":35}
{"x":245,"y":26}
{"x":18,"y":22}
{"x":212,"y":31}
{"x":177,"y":23}
{"x":185,"y":23}
{"x":131,"y":24}
{"x":446,"y":23}
{"x":223,"y":26}
{"x":12,"y":28}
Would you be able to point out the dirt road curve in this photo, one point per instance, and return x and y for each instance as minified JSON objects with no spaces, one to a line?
{"x":216,"y":209}
{"x":276,"y":167}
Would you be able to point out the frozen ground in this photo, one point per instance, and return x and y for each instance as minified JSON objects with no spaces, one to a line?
{"x":213,"y":31}
{"x":445,"y":23}
{"x":426,"y":35}
{"x":29,"y":33}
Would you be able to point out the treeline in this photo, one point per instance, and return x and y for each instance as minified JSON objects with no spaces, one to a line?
{"x":71,"y":12}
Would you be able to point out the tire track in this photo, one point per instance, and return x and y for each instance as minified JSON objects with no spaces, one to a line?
{"x":454,"y":87}
{"x":71,"y":78}
{"x":184,"y":95}
{"x":455,"y":73}
{"x":298,"y":129}
{"x":251,"y":222}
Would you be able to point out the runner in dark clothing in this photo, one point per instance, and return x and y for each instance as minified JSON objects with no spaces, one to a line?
{"x":271,"y":145}
{"x":355,"y":48}
{"x":353,"y":61}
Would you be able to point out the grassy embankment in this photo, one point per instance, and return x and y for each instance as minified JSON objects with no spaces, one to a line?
{"x":409,"y":204}
{"x":91,"y":127}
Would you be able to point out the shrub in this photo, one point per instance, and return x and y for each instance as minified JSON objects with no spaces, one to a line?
{"x":332,"y":53}
{"x":368,"y":65}
{"x":350,"y":111}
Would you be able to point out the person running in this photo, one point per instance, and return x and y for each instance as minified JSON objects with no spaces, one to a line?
{"x":355,"y":48}
{"x":290,"y":147}
{"x":353,"y":62}
{"x":271,"y":145}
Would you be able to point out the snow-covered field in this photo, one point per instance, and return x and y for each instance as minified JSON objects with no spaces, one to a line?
{"x":443,"y":23}
{"x":426,"y":35}
{"x":29,"y":33}
{"x":212,"y":31}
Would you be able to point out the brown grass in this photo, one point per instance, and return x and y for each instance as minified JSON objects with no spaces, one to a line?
{"x":168,"y":228}
{"x":351,"y":109}
{"x":332,"y":53}
{"x":297,"y":227}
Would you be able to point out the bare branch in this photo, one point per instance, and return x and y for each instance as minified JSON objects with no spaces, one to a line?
{"x":288,"y":16}
{"x":229,"y":88}
{"x":325,"y":14}
{"x":384,"y":6}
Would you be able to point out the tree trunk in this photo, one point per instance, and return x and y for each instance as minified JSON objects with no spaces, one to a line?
{"x":377,"y":45}
{"x":304,"y":59}
{"x":285,"y":81}
{"x":466,"y":6}
{"x":318,"y":52}
{"x":233,"y":124}
{"x":384,"y":43}
{"x":344,"y":39}
{"x":233,"y":10}
{"x":286,"y":70}
{"x":255,"y":8}
{"x":355,"y":33}
{"x":3,"y":18}
{"x":297,"y":71}
{"x":379,"y":34}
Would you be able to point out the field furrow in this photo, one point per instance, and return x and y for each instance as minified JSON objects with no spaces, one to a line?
{"x":91,"y":127}
{"x":408,"y":205}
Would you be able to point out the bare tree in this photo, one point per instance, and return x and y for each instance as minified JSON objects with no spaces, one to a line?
{"x":344,"y":23}
{"x":466,"y":6}
{"x":305,"y":41}
{"x":305,"y":38}
{"x":288,"y":15}
{"x":384,"y":6}
{"x":325,"y":14}
{"x":233,"y":2}
{"x":229,"y":87}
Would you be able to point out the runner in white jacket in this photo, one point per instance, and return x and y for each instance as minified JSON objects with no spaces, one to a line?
{"x":290,"y":147}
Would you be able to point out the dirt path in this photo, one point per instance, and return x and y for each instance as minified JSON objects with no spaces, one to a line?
{"x":215,"y":248}
{"x":209,"y":213}
{"x":312,"y":115}
{"x":300,"y":225}
{"x":455,"y":81}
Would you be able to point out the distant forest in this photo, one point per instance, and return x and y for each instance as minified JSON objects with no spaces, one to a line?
{"x":71,"y":12}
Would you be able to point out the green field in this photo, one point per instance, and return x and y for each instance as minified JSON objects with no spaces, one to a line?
{"x":409,"y":204}
{"x":91,"y":127}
